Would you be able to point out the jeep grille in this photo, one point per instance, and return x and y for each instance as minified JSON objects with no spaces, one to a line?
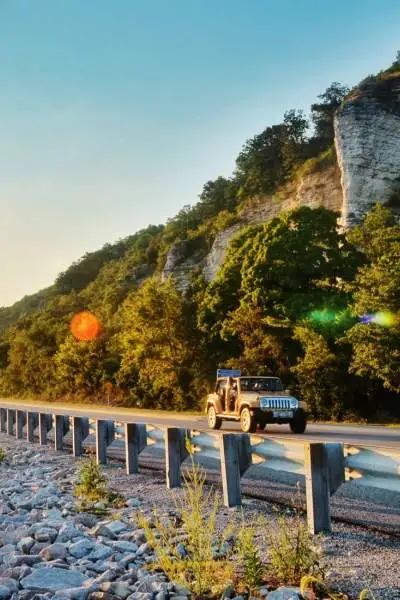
{"x":280,"y":403}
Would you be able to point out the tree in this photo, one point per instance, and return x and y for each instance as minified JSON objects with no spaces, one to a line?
{"x":322,"y":114}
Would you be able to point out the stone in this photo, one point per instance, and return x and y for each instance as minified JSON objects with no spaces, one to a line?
{"x":181,"y":590}
{"x":102,"y":530}
{"x":81,"y":548}
{"x":86,"y":519}
{"x":102,"y":596}
{"x":116,"y":527}
{"x":53,"y":579}
{"x":144,"y":549}
{"x":100,"y":552}
{"x":9,"y":585}
{"x":24,"y":559}
{"x":45,"y":534}
{"x":69,"y":532}
{"x":285,"y":593}
{"x":263,"y":591}
{"x":229,"y":592}
{"x":25,"y":544}
{"x":121,"y":546}
{"x":141,"y":596}
{"x":120,"y":589}
{"x":78,"y":593}
{"x":53,"y":552}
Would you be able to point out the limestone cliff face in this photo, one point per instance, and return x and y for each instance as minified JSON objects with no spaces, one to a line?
{"x":367,"y":138}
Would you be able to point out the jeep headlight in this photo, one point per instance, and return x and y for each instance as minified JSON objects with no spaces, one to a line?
{"x":294,"y":403}
{"x":264,"y":402}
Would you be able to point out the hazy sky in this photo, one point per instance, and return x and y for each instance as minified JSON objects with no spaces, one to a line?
{"x":114,"y":113}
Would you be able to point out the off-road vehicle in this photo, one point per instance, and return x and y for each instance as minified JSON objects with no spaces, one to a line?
{"x":254,"y":401}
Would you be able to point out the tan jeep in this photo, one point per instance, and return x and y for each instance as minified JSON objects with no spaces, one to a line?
{"x":254,"y":401}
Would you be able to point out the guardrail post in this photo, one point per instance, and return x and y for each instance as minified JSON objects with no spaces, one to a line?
{"x":105,"y":433}
{"x":175,"y":454}
{"x":317,"y":488}
{"x":244,"y":451}
{"x":230,"y":469}
{"x":3,"y":420}
{"x":44,"y":427}
{"x":31,"y":424}
{"x":135,"y":442}
{"x":80,"y":430}
{"x":19,"y":424}
{"x":61,"y":427}
{"x":336,"y":468}
{"x":10,"y":420}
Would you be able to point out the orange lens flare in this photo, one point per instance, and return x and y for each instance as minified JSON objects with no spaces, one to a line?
{"x":85,"y":326}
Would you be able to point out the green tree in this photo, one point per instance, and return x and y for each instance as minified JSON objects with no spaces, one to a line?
{"x":322,"y":114}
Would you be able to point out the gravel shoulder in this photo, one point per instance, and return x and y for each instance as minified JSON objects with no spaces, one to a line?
{"x":353,"y":556}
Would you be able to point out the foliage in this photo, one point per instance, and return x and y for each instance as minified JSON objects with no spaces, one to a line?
{"x":195,"y":566}
{"x":309,"y":583}
{"x":92,"y":487}
{"x":322,"y":114}
{"x":253,"y":568}
{"x":2,"y":455}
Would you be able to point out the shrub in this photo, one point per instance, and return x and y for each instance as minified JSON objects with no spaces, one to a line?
{"x":2,"y":455}
{"x":253,"y":568}
{"x":92,"y":486}
{"x":194,"y":564}
{"x":311,"y":585}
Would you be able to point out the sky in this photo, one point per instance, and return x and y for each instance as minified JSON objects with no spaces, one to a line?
{"x":113,"y":114}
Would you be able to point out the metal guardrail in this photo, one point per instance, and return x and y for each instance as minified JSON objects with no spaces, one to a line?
{"x":325,"y":466}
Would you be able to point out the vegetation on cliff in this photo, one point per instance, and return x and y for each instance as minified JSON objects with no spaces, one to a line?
{"x":294,"y":297}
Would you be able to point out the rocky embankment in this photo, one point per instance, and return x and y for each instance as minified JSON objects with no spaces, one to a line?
{"x":50,"y":550}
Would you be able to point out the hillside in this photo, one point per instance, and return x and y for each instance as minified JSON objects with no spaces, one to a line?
{"x":258,"y":258}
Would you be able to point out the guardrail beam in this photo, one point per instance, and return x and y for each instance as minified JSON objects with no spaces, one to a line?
{"x":230,"y":469}
{"x":317,"y":488}
{"x":105,"y":433}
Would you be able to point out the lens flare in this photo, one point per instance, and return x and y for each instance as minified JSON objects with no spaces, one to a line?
{"x":384,"y":319}
{"x":85,"y":326}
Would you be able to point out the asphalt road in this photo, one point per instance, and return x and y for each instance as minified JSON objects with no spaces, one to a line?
{"x":363,"y":435}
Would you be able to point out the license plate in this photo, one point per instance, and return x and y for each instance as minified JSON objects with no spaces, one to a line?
{"x":282,"y":414}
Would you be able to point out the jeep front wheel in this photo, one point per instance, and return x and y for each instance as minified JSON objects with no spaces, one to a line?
{"x":214,"y":421}
{"x":298,"y":425}
{"x":248,"y":421}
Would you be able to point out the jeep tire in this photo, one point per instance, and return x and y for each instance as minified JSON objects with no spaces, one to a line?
{"x":298,"y":425}
{"x":248,"y":421}
{"x":214,"y":421}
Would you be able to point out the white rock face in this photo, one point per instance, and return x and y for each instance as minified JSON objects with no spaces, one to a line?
{"x":367,"y":137}
{"x":217,"y":254}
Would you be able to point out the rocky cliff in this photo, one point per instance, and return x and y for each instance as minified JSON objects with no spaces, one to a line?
{"x":367,"y":139}
{"x":364,"y":169}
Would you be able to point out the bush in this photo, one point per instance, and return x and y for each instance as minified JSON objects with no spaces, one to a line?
{"x":92,"y":487}
{"x":194,"y":563}
{"x":253,"y":568}
{"x":2,"y":455}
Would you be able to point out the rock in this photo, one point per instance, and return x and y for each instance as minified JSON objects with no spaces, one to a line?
{"x":69,"y":532}
{"x":53,"y":579}
{"x":25,"y":544}
{"x":81,"y":548}
{"x":181,"y":590}
{"x":78,"y":593}
{"x":53,"y":552}
{"x":263,"y":591}
{"x":144,"y":549}
{"x":133,"y":502}
{"x":141,"y":596}
{"x":229,"y":592}
{"x":86,"y":519}
{"x":120,"y":589}
{"x":7,"y":587}
{"x":102,"y":530}
{"x":24,"y":559}
{"x":116,"y":527}
{"x":102,"y":596}
{"x":121,"y":546}
{"x":285,"y":593}
{"x":45,"y":534}
{"x":100,"y":552}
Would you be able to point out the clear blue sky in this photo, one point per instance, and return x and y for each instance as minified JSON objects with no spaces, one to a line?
{"x":113,"y":114}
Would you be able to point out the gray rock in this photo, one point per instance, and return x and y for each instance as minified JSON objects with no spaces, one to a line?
{"x":53,"y":552}
{"x":103,"y":531}
{"x":46,"y":534}
{"x":7,"y":587}
{"x":24,"y":559}
{"x":144,"y":549}
{"x":116,"y":527}
{"x":25,"y":544}
{"x":121,"y":546}
{"x":53,"y":579}
{"x":161,"y":596}
{"x":68,"y":532}
{"x":78,"y":593}
{"x":100,"y":552}
{"x":120,"y":589}
{"x":229,"y":592}
{"x":285,"y":593}
{"x":263,"y":591}
{"x":141,"y":596}
{"x":181,"y":590}
{"x":81,"y":548}
{"x":86,"y":519}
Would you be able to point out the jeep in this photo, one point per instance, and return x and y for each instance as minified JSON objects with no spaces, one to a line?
{"x":254,"y":402}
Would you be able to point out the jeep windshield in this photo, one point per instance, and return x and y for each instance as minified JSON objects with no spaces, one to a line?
{"x":260,"y":384}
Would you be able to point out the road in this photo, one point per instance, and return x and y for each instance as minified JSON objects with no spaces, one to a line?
{"x":363,"y":435}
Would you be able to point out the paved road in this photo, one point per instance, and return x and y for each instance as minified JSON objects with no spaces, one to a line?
{"x":365,"y":435}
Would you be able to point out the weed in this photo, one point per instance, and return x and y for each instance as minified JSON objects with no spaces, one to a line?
{"x":194,"y":564}
{"x":310,"y":584}
{"x":2,"y":455}
{"x":253,"y":568}
{"x":92,"y":488}
{"x":293,"y":550}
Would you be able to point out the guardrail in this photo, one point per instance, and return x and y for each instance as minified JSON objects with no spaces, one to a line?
{"x":325,"y":466}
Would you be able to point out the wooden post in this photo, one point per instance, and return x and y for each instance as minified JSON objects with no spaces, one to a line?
{"x":3,"y":420}
{"x":105,"y":433}
{"x":336,"y":467}
{"x":44,"y":427}
{"x":31,"y":424}
{"x":19,"y":424}
{"x":175,"y":454}
{"x":317,"y":488}
{"x":10,"y":421}
{"x":60,"y":427}
{"x":135,"y":442}
{"x":230,"y":469}
{"x":78,"y":434}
